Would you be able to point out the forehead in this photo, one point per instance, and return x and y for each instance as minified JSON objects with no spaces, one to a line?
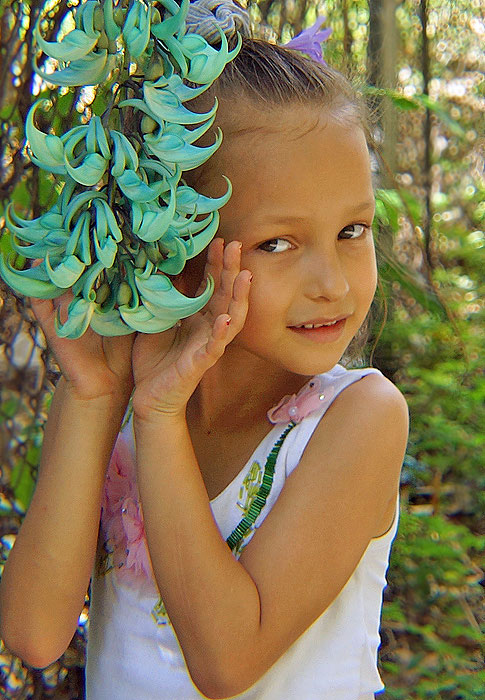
{"x":301,"y":160}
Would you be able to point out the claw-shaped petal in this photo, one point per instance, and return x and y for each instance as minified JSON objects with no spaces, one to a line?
{"x":96,"y":140}
{"x":31,"y":231}
{"x":159,"y":290}
{"x":109,"y":323}
{"x":106,"y":250}
{"x":85,"y":284}
{"x":189,"y":201}
{"x":73,"y":46}
{"x":125,"y":155}
{"x":89,"y":16}
{"x":33,"y":282}
{"x":52,"y":241}
{"x":154,"y":224}
{"x":175,"y":84}
{"x":206,"y":62}
{"x":90,"y":171}
{"x":196,"y":245}
{"x":167,"y":106}
{"x":136,"y":29}
{"x":135,"y":189}
{"x":177,"y":55}
{"x":191,"y":135}
{"x":171,"y":26}
{"x":66,"y":273}
{"x":112,"y":225}
{"x":110,"y":27}
{"x":174,"y":149}
{"x":171,"y":173}
{"x":77,"y":202}
{"x":143,"y":107}
{"x":93,"y":69}
{"x":74,"y":244}
{"x":141,"y":320}
{"x":79,"y":313}
{"x":174,"y":263}
{"x":47,"y":149}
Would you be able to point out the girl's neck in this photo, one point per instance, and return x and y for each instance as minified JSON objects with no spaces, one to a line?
{"x":238,"y":391}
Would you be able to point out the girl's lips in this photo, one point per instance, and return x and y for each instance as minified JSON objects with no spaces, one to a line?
{"x":324,"y":334}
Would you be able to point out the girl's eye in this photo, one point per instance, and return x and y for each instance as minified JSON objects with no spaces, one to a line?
{"x":353,"y":231}
{"x":275,"y":245}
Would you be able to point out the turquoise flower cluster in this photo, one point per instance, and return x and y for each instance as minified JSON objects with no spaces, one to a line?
{"x":125,"y":219}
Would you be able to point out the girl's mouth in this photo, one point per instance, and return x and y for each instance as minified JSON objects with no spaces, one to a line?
{"x":320,"y":332}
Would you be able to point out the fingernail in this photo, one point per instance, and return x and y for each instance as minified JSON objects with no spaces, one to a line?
{"x":251,"y":278}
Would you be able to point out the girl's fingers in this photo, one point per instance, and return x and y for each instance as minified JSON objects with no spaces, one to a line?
{"x":44,"y":310}
{"x":239,"y":303}
{"x":213,"y":263}
{"x":229,"y":268}
{"x":227,"y":325}
{"x":220,"y":336}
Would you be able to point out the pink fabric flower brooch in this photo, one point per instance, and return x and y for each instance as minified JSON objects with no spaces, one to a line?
{"x":296,"y":407}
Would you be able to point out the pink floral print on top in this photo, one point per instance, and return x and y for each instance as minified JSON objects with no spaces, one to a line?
{"x":122,"y":517}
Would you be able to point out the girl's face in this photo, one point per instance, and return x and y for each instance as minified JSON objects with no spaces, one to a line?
{"x":302,"y":205}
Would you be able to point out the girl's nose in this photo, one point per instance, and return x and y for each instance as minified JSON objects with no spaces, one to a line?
{"x":326,"y":278}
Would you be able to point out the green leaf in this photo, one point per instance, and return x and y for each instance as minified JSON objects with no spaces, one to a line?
{"x":396,"y":97}
{"x":23,"y":483}
{"x":416,"y":101}
{"x":440,"y":110}
{"x":64,"y":104}
{"x":9,"y":408}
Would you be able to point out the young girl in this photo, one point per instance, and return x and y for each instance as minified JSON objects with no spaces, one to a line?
{"x":251,"y":500}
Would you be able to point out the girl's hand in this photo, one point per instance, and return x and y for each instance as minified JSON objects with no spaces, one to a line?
{"x":92,"y":365}
{"x":168,"y":366}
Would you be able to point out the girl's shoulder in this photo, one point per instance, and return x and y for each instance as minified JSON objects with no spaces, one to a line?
{"x":366,"y":387}
{"x":364,"y":431}
{"x":358,"y":433}
{"x":315,"y":398}
{"x":353,"y":398}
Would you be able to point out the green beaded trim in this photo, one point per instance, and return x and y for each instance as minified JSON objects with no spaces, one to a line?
{"x":263,"y":492}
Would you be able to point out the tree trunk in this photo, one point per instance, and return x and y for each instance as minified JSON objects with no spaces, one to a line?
{"x":381,"y":66}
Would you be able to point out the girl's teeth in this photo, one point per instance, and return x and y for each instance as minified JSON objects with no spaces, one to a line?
{"x":317,"y":325}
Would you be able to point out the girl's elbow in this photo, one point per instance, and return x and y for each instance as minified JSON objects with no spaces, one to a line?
{"x":219,"y":690}
{"x":225,"y":684}
{"x":33,"y":652}
{"x":34,"y":657}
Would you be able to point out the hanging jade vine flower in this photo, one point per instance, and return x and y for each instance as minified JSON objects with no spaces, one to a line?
{"x":125,"y":218}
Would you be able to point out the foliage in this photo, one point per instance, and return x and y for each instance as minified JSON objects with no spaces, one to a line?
{"x":435,"y":644}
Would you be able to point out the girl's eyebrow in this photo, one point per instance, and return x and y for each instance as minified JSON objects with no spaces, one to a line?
{"x":352,"y":211}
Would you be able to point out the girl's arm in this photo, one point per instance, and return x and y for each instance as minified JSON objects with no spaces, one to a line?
{"x":47,"y":573}
{"x":234,"y":619}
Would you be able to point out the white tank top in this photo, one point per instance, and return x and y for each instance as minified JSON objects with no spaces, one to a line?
{"x":133,"y":653}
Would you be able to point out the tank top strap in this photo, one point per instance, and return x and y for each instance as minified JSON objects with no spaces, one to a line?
{"x":332,"y":383}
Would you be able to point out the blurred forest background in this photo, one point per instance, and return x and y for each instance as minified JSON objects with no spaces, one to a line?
{"x":420,"y":64}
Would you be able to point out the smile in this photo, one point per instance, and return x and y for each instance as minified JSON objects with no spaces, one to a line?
{"x":327,"y":332}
